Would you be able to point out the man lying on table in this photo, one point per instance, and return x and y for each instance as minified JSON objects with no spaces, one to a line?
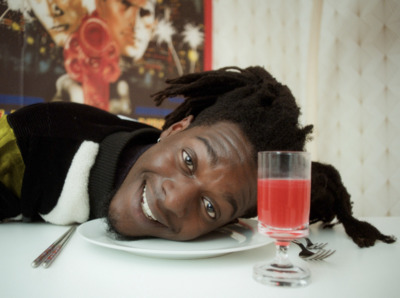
{"x":68,"y":163}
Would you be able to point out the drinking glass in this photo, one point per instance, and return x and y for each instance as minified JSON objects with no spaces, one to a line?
{"x":283,"y":195}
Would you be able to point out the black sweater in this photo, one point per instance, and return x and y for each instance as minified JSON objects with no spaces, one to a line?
{"x":71,"y":152}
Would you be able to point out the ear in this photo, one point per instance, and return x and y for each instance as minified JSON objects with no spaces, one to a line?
{"x":177,"y":127}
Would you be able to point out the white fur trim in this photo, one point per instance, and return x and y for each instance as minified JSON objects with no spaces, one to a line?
{"x":16,"y":218}
{"x":73,"y":203}
{"x":127,"y":118}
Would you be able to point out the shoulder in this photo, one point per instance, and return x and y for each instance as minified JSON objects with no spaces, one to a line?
{"x":59,"y":109}
{"x":67,"y":118}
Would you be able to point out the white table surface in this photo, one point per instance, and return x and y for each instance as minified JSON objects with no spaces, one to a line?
{"x":87,"y":270}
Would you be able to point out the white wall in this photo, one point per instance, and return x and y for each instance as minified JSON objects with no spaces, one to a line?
{"x":341,"y":60}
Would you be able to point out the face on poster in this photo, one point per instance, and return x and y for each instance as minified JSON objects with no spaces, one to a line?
{"x":112,"y":54}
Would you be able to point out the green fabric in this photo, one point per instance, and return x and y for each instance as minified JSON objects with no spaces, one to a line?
{"x":12,"y":166}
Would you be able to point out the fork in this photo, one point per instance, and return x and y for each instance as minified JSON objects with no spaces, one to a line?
{"x":311,"y":245}
{"x":308,"y":255}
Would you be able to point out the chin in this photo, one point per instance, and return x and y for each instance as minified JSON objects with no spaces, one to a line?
{"x":132,"y":52}
{"x":112,"y":231}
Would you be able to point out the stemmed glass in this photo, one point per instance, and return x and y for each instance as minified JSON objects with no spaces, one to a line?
{"x":283,"y":194}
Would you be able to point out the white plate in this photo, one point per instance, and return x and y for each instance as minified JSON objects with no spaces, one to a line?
{"x":232,"y":238}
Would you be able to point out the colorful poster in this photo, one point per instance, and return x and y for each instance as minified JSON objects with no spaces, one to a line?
{"x":112,"y":54}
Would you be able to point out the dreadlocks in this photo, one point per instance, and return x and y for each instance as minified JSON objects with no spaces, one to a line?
{"x":264,"y":109}
{"x":268,"y":115}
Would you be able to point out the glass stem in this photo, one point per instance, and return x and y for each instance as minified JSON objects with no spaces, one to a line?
{"x":282,"y":256}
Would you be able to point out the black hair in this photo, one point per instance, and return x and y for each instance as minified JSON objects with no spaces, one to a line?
{"x":264,"y":109}
{"x":268,"y":115}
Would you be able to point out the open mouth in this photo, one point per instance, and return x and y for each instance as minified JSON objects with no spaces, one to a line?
{"x":145,"y":207}
{"x":60,"y":28}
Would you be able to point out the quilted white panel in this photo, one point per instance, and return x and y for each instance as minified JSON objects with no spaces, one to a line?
{"x":341,"y":60}
{"x":358,"y":101}
{"x":273,"y":34}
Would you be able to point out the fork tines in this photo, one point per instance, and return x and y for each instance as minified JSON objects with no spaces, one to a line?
{"x":320,"y":255}
{"x":312,"y":245}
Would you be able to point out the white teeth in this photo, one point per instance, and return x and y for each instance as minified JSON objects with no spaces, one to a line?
{"x":145,"y":206}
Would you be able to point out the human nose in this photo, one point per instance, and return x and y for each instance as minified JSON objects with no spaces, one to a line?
{"x":132,"y":15}
{"x":179,"y":196}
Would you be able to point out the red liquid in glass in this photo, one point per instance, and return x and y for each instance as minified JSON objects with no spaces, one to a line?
{"x":283,"y":204}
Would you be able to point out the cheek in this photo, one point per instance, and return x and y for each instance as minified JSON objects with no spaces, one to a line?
{"x":192,"y":230}
{"x":159,"y":158}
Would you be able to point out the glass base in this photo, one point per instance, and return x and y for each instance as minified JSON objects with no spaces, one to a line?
{"x":282,"y":276}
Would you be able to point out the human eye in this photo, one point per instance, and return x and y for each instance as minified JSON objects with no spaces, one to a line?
{"x":57,"y":11}
{"x":208,"y":205}
{"x":187,"y":159}
{"x":144,"y":12}
{"x":126,"y":3}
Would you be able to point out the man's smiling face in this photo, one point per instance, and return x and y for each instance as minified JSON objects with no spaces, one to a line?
{"x":192,"y":182}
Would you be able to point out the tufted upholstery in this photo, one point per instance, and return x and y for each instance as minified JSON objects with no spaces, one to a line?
{"x":341,"y":60}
